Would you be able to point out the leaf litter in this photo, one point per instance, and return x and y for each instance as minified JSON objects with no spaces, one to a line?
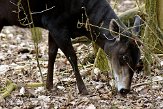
{"x":17,"y":63}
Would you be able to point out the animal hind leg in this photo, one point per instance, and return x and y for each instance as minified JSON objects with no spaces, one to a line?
{"x":53,"y":48}
{"x":1,"y":26}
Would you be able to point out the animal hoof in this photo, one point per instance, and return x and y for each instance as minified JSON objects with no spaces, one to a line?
{"x":84,"y":92}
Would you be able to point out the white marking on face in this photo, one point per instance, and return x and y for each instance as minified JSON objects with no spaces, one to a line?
{"x":121,"y":79}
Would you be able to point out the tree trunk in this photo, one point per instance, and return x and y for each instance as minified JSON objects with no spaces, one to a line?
{"x":160,"y":13}
{"x":152,"y":36}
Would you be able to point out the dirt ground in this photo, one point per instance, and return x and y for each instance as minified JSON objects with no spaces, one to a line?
{"x":18,"y":64}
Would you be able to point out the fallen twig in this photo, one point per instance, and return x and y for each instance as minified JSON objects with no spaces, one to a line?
{"x":145,"y":83}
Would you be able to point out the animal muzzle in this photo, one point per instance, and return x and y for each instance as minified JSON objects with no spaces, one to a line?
{"x":124,"y":91}
{"x":122,"y":80}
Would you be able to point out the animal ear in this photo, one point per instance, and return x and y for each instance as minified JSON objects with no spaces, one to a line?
{"x":114,"y":27}
{"x":137,"y":25}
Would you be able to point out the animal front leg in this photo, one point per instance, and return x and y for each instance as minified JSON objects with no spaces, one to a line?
{"x":73,"y":60}
{"x":71,"y":56}
{"x":64,"y":43}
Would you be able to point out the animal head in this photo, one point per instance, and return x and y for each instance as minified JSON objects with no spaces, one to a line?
{"x":124,"y":53}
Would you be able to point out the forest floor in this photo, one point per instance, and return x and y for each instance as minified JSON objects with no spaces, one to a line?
{"x":18,"y":64}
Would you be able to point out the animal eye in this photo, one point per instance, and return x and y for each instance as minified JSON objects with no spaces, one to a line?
{"x":125,"y":58}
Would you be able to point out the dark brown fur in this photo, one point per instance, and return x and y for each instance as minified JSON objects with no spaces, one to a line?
{"x":61,"y":21}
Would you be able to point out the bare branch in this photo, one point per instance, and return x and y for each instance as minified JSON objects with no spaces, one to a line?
{"x":43,"y":10}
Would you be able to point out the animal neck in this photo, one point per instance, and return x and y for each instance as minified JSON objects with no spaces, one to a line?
{"x":99,"y":14}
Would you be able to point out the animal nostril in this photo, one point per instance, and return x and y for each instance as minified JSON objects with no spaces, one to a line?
{"x":124,"y":91}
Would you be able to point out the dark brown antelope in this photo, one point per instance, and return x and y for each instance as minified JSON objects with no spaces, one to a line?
{"x":63,"y":17}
